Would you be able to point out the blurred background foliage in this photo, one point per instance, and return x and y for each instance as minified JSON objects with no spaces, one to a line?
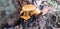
{"x":7,"y":6}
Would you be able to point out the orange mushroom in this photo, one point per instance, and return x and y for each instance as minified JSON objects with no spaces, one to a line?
{"x":29,"y":9}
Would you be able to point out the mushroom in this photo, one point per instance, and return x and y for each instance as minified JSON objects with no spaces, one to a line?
{"x":29,"y":10}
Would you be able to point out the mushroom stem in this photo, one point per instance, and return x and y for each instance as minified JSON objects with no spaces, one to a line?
{"x":25,"y":15}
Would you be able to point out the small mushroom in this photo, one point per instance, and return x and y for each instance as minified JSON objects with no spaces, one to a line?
{"x":29,"y":9}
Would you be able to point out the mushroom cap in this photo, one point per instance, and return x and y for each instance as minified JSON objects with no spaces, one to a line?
{"x":28,"y":7}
